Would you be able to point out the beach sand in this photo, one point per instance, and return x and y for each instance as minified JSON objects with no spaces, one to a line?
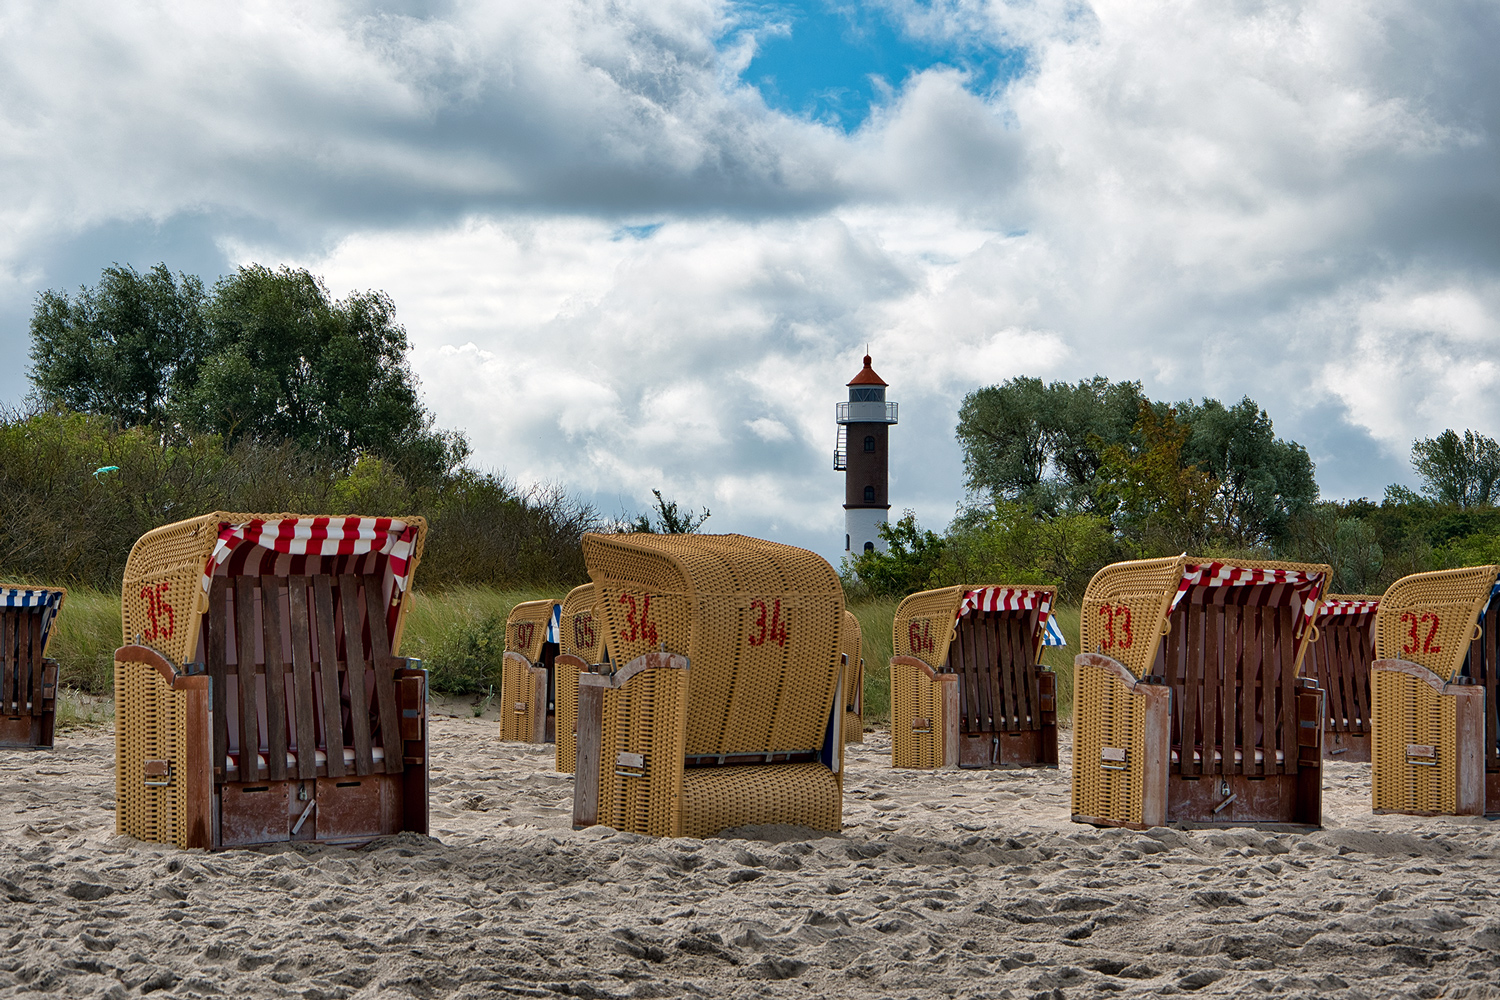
{"x":941,"y":884}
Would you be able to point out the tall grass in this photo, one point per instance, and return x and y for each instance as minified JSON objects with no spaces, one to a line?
{"x":459,"y":633}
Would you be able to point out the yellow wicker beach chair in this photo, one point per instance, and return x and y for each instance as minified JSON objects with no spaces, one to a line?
{"x":527,"y":708}
{"x":854,"y":681}
{"x":1339,"y":660}
{"x":28,"y":678}
{"x":258,"y":698}
{"x":1433,"y":689}
{"x":967,"y":687}
{"x":725,"y":706}
{"x":1188,"y":706}
{"x":581,"y":651}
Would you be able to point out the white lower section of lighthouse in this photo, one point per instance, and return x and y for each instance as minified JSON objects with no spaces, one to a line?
{"x":862,"y":529}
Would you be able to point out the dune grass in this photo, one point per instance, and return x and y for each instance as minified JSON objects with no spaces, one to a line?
{"x":459,"y":634}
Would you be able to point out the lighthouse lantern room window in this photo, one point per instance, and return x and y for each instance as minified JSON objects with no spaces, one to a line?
{"x":867,"y":394}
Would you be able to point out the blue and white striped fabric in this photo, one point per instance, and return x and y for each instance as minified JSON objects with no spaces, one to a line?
{"x":34,"y":597}
{"x":554,"y":627}
{"x":1054,"y":635}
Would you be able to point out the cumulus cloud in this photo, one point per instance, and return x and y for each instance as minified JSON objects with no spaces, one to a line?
{"x":621,"y":270}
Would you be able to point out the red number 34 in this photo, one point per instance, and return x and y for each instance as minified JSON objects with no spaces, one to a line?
{"x":1427,"y":645}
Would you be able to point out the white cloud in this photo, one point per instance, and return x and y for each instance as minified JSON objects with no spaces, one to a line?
{"x":1292,"y":199}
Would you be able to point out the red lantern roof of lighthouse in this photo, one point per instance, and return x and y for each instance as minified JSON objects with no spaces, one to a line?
{"x":867,"y":376}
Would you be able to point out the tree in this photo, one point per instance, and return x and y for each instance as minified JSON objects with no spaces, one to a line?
{"x":268,"y":355}
{"x":1165,"y":503}
{"x":1462,"y":471}
{"x":124,"y":348}
{"x":1262,"y":480}
{"x":908,"y":565}
{"x":1041,"y":444}
{"x":669,"y":519}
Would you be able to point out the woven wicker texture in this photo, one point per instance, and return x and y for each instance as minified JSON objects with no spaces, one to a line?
{"x":1408,"y":711}
{"x":648,"y":716}
{"x":151,"y":719}
{"x":581,"y":635}
{"x":162,"y":598}
{"x":916,"y":718}
{"x":518,"y":702}
{"x":759,"y":621}
{"x":717,"y":798}
{"x":565,"y":704}
{"x":923,"y":626}
{"x":854,"y":680}
{"x":1340,"y":662}
{"x":526,"y":628}
{"x":1125,"y":607}
{"x":1106,"y":712}
{"x":1428,"y":618}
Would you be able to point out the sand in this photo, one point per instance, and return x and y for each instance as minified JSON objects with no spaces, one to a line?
{"x":942,"y":884}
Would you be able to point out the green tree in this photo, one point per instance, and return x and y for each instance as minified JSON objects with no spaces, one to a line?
{"x":1262,"y":480}
{"x":1462,"y":471}
{"x":1041,"y":444}
{"x":1007,"y":542}
{"x":268,"y":356}
{"x":124,"y":348}
{"x":908,"y":564}
{"x":1162,"y":502}
{"x":670,"y":520}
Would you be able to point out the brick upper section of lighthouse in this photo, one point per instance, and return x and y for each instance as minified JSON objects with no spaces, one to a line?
{"x":867,"y":468}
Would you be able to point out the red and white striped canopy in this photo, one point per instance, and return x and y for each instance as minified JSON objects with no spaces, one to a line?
{"x":1332,"y":608}
{"x":1014,"y":599}
{"x":312,"y":545}
{"x":1305,"y":586}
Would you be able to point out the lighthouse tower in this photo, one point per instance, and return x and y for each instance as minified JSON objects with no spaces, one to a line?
{"x":863,"y":455}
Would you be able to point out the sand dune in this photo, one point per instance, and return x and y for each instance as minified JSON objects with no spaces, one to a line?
{"x":966,"y":884}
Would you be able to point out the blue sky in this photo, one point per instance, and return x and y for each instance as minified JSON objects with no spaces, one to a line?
{"x":832,"y":61}
{"x":642,"y":244}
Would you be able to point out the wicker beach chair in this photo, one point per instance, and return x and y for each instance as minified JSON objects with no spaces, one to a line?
{"x":28,"y":679}
{"x":724,"y":708}
{"x":1433,"y":689}
{"x":580,"y":651}
{"x":967,"y":687}
{"x":854,"y":681}
{"x":527,"y":708}
{"x":258,"y":698}
{"x":1188,"y":706}
{"x":1340,"y":662}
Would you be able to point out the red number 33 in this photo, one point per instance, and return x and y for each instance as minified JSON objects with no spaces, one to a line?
{"x":1116,"y":614}
{"x":1413,"y":621}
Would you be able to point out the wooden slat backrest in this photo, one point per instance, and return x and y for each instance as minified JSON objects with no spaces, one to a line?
{"x":7,"y":660}
{"x":318,"y":696}
{"x":993,"y":655}
{"x":1481,"y":665}
{"x":1231,"y":667}
{"x":1340,"y":662}
{"x":21,"y":660}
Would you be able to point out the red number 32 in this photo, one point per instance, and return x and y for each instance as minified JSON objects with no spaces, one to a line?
{"x":1427,"y":645}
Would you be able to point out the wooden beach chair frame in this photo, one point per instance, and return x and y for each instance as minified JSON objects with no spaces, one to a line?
{"x":725,"y":707}
{"x":28,"y":677}
{"x":854,"y":680}
{"x":967,"y":685}
{"x":527,"y":706}
{"x":1339,"y":660}
{"x":228,"y":617}
{"x":1157,"y":739}
{"x":1433,"y":690}
{"x":581,"y":650}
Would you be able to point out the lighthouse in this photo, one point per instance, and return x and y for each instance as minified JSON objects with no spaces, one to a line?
{"x":862,"y":454}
